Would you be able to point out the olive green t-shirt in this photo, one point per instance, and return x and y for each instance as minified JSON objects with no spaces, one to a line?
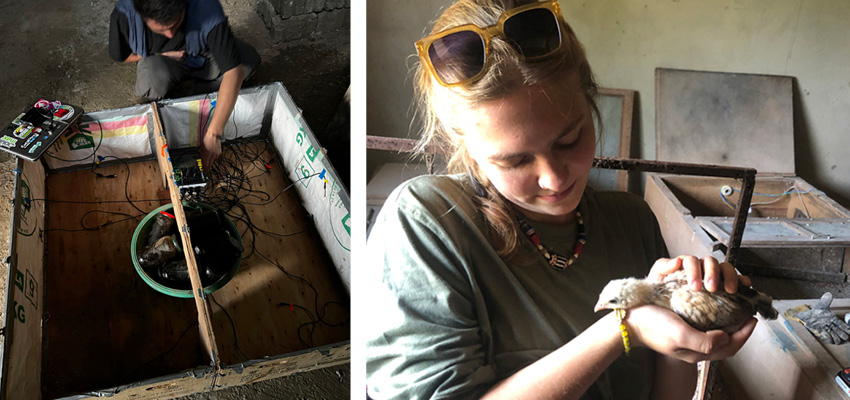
{"x":449,"y":318}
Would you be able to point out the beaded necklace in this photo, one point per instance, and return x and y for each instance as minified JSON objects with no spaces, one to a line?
{"x":556,"y":261}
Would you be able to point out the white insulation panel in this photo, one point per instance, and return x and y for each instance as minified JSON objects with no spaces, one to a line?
{"x":318,"y":184}
{"x":123,"y":133}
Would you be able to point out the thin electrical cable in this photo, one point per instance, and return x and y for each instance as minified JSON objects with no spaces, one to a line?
{"x":94,"y":152}
{"x":127,"y":183}
{"x":726,"y":201}
{"x":96,"y":227}
{"x":136,"y":371}
{"x":319,"y":316}
{"x":232,"y":325}
{"x":312,"y":322}
{"x":284,"y":189}
{"x":778,"y":196}
{"x":783,"y":193}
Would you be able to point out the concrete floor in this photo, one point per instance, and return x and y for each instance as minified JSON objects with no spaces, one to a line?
{"x":58,"y":50}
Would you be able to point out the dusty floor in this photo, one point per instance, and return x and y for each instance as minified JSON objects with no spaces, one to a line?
{"x":58,"y":50}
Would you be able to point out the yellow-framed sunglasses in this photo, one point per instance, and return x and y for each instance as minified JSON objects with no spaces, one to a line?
{"x":459,"y":55}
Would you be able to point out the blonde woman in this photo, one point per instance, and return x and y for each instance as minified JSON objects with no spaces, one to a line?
{"x":485,"y":280}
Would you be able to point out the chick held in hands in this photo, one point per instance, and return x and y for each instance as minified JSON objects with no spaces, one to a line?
{"x":701,"y":309}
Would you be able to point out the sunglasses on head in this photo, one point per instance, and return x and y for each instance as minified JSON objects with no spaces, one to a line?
{"x":458,"y":55}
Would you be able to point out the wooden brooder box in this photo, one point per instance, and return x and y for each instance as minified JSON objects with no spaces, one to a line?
{"x":81,"y":323}
{"x":793,"y":229}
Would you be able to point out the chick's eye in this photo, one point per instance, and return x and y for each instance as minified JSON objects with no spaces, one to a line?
{"x":612,"y":301}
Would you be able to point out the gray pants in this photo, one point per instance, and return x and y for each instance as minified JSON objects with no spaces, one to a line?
{"x":157,"y":75}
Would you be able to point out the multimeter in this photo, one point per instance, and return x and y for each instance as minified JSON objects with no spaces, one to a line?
{"x":30,"y":134}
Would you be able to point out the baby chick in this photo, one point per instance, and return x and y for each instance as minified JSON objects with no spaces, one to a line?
{"x":701,"y":309}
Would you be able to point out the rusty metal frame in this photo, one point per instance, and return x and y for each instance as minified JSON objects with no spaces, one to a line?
{"x":747,"y":175}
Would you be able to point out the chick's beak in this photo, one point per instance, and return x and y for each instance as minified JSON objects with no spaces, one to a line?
{"x":599,"y":306}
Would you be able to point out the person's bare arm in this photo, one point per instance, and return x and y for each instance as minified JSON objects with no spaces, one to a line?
{"x":227,"y":93}
{"x":133,"y":58}
{"x":569,"y":371}
{"x":674,"y":379}
{"x":177,"y":55}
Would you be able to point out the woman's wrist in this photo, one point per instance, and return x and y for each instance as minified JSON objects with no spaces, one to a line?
{"x":632,"y":320}
{"x":612,"y":326}
{"x":213,"y":135}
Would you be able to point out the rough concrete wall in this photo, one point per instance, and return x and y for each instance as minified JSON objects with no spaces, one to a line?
{"x":290,"y":20}
{"x":626,"y":40}
{"x":392,"y":26}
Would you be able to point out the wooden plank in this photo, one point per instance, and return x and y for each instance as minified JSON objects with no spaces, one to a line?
{"x":772,"y":232}
{"x":199,"y":380}
{"x":819,"y":362}
{"x":399,"y":145}
{"x":165,"y":387}
{"x":801,"y":230}
{"x":164,"y":159}
{"x":766,"y":369}
{"x":276,"y":367}
{"x":622,"y":119}
{"x":207,"y":334}
{"x":626,"y":135}
{"x":793,"y":272}
{"x":258,"y":297}
{"x":105,"y":326}
{"x":846,"y":261}
{"x":680,"y":231}
{"x":814,"y":203}
{"x":25,"y":295}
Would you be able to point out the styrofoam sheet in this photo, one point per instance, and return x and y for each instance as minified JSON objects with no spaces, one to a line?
{"x":121,"y":133}
{"x":186,"y":120}
{"x":318,"y":184}
{"x":22,"y":342}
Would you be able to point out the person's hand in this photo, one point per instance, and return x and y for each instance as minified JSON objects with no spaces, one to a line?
{"x":178,"y":55}
{"x":666,"y":333}
{"x":697,"y":270}
{"x":210,"y":148}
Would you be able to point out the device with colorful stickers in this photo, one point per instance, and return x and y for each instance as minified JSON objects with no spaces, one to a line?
{"x":35,"y":129}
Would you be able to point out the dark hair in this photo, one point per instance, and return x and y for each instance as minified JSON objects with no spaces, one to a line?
{"x":162,"y":11}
